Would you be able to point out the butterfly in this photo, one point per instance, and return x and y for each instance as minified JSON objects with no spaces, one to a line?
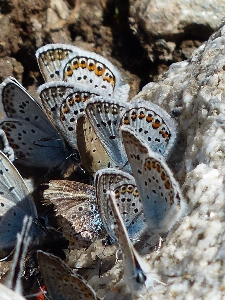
{"x":106,"y":116}
{"x":153,"y":123}
{"x":63,"y":102}
{"x":15,"y":203}
{"x":50,"y":59}
{"x":76,"y":208}
{"x":93,"y":155}
{"x":137,"y":273}
{"x":160,"y":194}
{"x":61,"y":282}
{"x":32,"y":136}
{"x":75,"y":65}
{"x":127,"y":200}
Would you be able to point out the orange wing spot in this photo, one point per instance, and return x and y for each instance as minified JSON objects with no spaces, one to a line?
{"x":62,"y":117}
{"x":149,"y":118}
{"x":99,"y":70}
{"x":56,"y":54}
{"x":167,"y":184}
{"x":10,"y":140}
{"x":69,"y":71}
{"x":12,"y":125}
{"x":83,"y":63}
{"x":133,"y":116}
{"x":148,"y":164}
{"x":141,"y":115}
{"x":91,"y":65}
{"x":164,"y":134}
{"x":109,"y":79}
{"x":117,"y":194}
{"x":63,"y":54}
{"x":163,"y":175}
{"x":129,"y":189}
{"x":85,"y":97}
{"x":46,"y":58}
{"x":135,"y":193}
{"x":77,"y":98}
{"x":126,"y":120}
{"x":154,"y":164}
{"x":71,"y":101}
{"x":65,"y":109}
{"x":158,"y":167}
{"x":75,"y":64}
{"x":6,"y":129}
{"x":156,"y":124}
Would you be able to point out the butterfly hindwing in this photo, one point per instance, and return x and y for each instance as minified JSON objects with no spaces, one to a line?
{"x":153,"y":124}
{"x":160,"y":193}
{"x":63,"y":103}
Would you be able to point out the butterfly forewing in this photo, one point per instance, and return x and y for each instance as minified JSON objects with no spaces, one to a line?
{"x":105,"y":116}
{"x":32,"y":136}
{"x":61,"y":282}
{"x":92,"y":153}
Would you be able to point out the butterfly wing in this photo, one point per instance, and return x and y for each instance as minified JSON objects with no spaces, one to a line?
{"x":105,"y":116}
{"x":76,"y":207}
{"x":92,"y":153}
{"x":63,"y":103}
{"x":23,"y":240}
{"x":34,"y":139}
{"x":136,"y":271}
{"x":95,"y":72}
{"x":7,"y":294}
{"x":16,"y":202}
{"x":160,"y":193}
{"x":127,"y":199}
{"x":153,"y":124}
{"x":51,"y":57}
{"x":61,"y":282}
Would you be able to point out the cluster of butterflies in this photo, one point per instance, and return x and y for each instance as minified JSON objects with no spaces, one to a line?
{"x":85,"y":113}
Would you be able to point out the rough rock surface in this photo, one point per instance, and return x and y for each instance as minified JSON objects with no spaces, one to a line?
{"x":166,"y":28}
{"x":191,"y":261}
